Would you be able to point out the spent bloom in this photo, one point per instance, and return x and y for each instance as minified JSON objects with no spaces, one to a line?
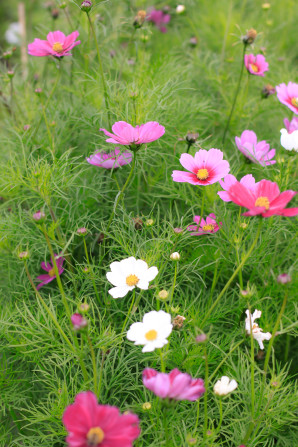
{"x":50,"y":276}
{"x":203,"y":226}
{"x":110,"y":160}
{"x":152,"y":332}
{"x":129,"y":273}
{"x":78,"y":321}
{"x":127,"y":135}
{"x":206,"y":167}
{"x":288,"y":95}
{"x":257,"y":332}
{"x":248,"y":181}
{"x":90,"y":424}
{"x":257,"y":152}
{"x":57,"y":44}
{"x":224,"y":386}
{"x":175,"y":385}
{"x":256,"y":65}
{"x":265,"y":200}
{"x":289,"y":135}
{"x":159,"y":18}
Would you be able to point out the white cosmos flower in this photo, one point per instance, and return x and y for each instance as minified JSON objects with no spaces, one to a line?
{"x":289,"y":140}
{"x":129,"y":273}
{"x":257,"y":332}
{"x":152,"y":332}
{"x":224,"y":386}
{"x":13,"y":34}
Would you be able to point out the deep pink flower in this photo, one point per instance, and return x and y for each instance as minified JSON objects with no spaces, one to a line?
{"x":128,"y":135}
{"x":256,"y":65}
{"x":288,"y":95}
{"x":175,"y":385}
{"x":265,"y":200}
{"x":292,"y":125}
{"x":203,"y":226}
{"x":159,"y":18}
{"x":45,"y":279}
{"x":257,"y":152}
{"x":248,"y":181}
{"x":78,"y":321}
{"x":110,"y":160}
{"x":57,"y":44}
{"x":90,"y":424}
{"x":206,"y":167}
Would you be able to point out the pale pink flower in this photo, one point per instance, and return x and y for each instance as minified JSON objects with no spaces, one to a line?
{"x":203,"y":226}
{"x":57,"y":44}
{"x":127,"y":135}
{"x":248,"y":181}
{"x":159,"y":18}
{"x":292,"y":125}
{"x":45,"y":279}
{"x":257,"y":152}
{"x":206,"y":167}
{"x":288,"y":95}
{"x":256,"y":65}
{"x":78,"y":321}
{"x":175,"y":385}
{"x":110,"y":160}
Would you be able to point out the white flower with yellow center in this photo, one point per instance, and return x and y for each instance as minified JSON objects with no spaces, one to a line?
{"x":224,"y":386}
{"x":257,"y":332}
{"x":129,"y":273}
{"x":152,"y":332}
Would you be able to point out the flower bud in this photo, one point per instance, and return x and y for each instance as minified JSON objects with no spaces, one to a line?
{"x":86,"y":5}
{"x":26,"y":127}
{"x":82,"y":231}
{"x":39,"y":216}
{"x":284,"y":278}
{"x":163,"y":294}
{"x":243,"y":225}
{"x":193,"y":41}
{"x":78,"y":322}
{"x":250,"y":37}
{"x":175,"y":256}
{"x":201,"y":338}
{"x":267,"y":91}
{"x":146,"y":406}
{"x":7,"y":54}
{"x":139,"y":19}
{"x":266,"y":6}
{"x":85,"y":270}
{"x":23,"y":255}
{"x":180,"y":9}
{"x":10,"y":74}
{"x":191,"y":440}
{"x":84,"y":307}
{"x":38,"y":91}
{"x":55,"y":13}
{"x":175,"y":310}
{"x":149,"y":222}
{"x":191,"y":137}
{"x":178,"y":322}
{"x":178,"y":230}
{"x":62,"y":5}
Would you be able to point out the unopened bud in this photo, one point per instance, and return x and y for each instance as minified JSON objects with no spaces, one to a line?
{"x":55,"y":13}
{"x":250,"y":37}
{"x":38,"y":91}
{"x":178,"y":230}
{"x":243,"y":226}
{"x":78,"y":322}
{"x":193,"y":41}
{"x":26,"y":127}
{"x":267,"y":91}
{"x":284,"y":278}
{"x":84,"y":307}
{"x":201,"y":338}
{"x":146,"y":406}
{"x":149,"y":222}
{"x":7,"y":54}
{"x":82,"y":231}
{"x":39,"y":216}
{"x":266,"y":6}
{"x":180,"y":9}
{"x":86,"y":269}
{"x":86,"y":5}
{"x":139,"y":19}
{"x":175,"y":256}
{"x":62,"y":5}
{"x":175,"y":310}
{"x":163,"y":294}
{"x":10,"y":74}
{"x":192,"y":137}
{"x":178,"y":322}
{"x":23,"y":255}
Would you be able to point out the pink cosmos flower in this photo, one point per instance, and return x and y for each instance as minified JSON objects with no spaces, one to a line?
{"x":90,"y":424}
{"x":110,"y":160}
{"x":78,"y":321}
{"x":203,"y":226}
{"x":265,"y":200}
{"x":159,"y":18}
{"x":292,"y":125}
{"x":248,"y":181}
{"x":256,"y":65}
{"x":57,"y":44}
{"x":45,"y":279}
{"x":175,"y":385}
{"x":288,"y":95}
{"x":206,"y":167}
{"x":128,"y":135}
{"x":257,"y":152}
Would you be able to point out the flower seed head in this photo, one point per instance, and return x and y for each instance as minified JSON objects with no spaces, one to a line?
{"x":250,"y":36}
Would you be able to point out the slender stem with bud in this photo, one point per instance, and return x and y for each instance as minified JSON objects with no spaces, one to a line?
{"x":91,"y":268}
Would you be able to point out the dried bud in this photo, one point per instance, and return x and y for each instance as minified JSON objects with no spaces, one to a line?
{"x":201,"y":338}
{"x":178,"y":322}
{"x":146,"y":406}
{"x":178,"y":230}
{"x":284,"y":278}
{"x":112,"y":54}
{"x":191,"y":137}
{"x":86,"y":5}
{"x":55,"y":13}
{"x":260,"y":355}
{"x":138,"y":223}
{"x":267,"y":91}
{"x":23,"y":255}
{"x":180,"y":9}
{"x":26,"y":127}
{"x":175,"y":256}
{"x":39,"y":216}
{"x":193,"y":41}
{"x":243,"y":226}
{"x":139,"y":19}
{"x":250,"y":37}
{"x":163,"y":294}
{"x":78,"y":322}
{"x":100,"y":238}
{"x":82,"y":231}
{"x":84,"y":307}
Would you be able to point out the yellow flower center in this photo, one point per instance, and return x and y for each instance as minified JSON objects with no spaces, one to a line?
{"x":95,"y":436}
{"x":52,"y":272}
{"x":202,"y":174}
{"x":57,"y":47}
{"x":132,"y":280}
{"x":151,"y":335}
{"x":294,"y":101}
{"x":208,"y":227}
{"x":263,"y":201}
{"x":254,"y":67}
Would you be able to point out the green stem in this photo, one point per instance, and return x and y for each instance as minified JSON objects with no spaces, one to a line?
{"x":240,"y":271}
{"x":206,"y":393}
{"x":188,"y":147}
{"x":234,"y":274}
{"x":162,"y":364}
{"x":197,"y":418}
{"x":252,"y":366}
{"x":101,"y":371}
{"x":129,"y":311}
{"x":236,"y":95}
{"x":93,"y":364}
{"x":220,"y":415}
{"x":174,"y":283}
{"x":48,"y":127}
{"x":91,"y":268}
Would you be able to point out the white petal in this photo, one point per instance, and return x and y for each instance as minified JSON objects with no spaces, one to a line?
{"x":115,"y":279}
{"x":141,"y":268}
{"x":143,"y":284}
{"x":289,"y":140}
{"x":135,"y":332}
{"x":127,"y":266}
{"x":151,"y":273}
{"x":233,"y":385}
{"x":119,"y":292}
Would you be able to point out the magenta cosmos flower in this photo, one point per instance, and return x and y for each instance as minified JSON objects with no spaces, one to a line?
{"x":248,"y":181}
{"x":128,"y":135}
{"x":159,"y":18}
{"x":90,"y":424}
{"x":57,"y":44}
{"x":45,"y":279}
{"x":257,"y":152}
{"x":206,"y":167}
{"x":175,"y":385}
{"x":265,"y":200}
{"x":203,"y":226}
{"x":110,"y":160}
{"x":256,"y":65}
{"x":288,"y":95}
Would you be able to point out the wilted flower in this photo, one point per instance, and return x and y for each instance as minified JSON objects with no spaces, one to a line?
{"x":208,"y":226}
{"x":159,"y":18}
{"x":206,"y":167}
{"x":78,"y":321}
{"x":191,"y":137}
{"x":129,"y":273}
{"x":256,"y":65}
{"x":55,"y":13}
{"x":175,"y":256}
{"x":140,"y":18}
{"x":57,"y":44}
{"x":152,"y":332}
{"x":289,"y":136}
{"x":248,"y":181}
{"x":284,"y":278}
{"x":138,"y":223}
{"x":178,"y":322}
{"x":175,"y":385}
{"x":288,"y":95}
{"x":224,"y":386}
{"x":257,"y":332}
{"x":90,"y":424}
{"x":268,"y":90}
{"x":39,"y":216}
{"x":51,"y":275}
{"x":110,"y":160}
{"x":257,"y":152}
{"x":250,"y":36}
